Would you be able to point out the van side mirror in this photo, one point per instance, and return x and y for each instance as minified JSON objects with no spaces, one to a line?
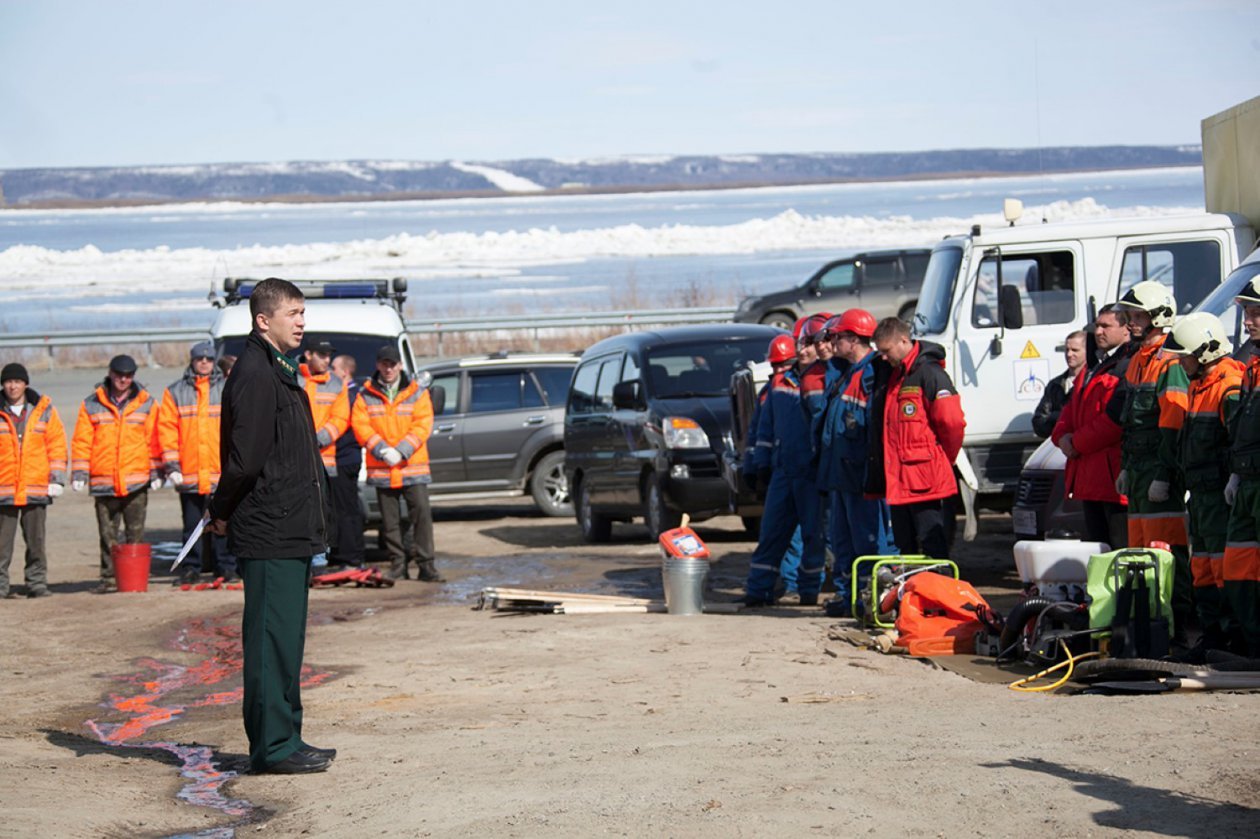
{"x":625,"y":395}
{"x":1010,"y":308}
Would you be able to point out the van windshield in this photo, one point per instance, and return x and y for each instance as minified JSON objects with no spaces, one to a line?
{"x":703,"y":368}
{"x":931,"y":314}
{"x":1221,"y":301}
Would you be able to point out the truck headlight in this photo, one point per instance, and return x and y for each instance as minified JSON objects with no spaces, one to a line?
{"x":684,"y":433}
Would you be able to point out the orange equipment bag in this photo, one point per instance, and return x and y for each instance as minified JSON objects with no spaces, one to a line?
{"x":937,"y":615}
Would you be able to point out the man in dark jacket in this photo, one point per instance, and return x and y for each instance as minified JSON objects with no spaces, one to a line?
{"x":270,"y":502}
{"x":1059,"y":388}
{"x":922,"y":432}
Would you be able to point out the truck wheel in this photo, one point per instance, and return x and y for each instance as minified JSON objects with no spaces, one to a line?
{"x":657,"y":517}
{"x":596,"y":528}
{"x":782,"y":320}
{"x":550,"y":487}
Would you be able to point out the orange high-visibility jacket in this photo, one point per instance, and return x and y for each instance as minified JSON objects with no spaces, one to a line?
{"x":27,"y":468}
{"x":115,"y":450}
{"x":404,"y":423}
{"x":330,"y":407}
{"x":188,"y":430}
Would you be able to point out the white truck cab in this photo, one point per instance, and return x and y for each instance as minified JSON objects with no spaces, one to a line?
{"x":356,"y":316}
{"x":1002,"y":301}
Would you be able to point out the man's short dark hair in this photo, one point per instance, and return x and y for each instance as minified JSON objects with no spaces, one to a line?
{"x":891,"y":327}
{"x":1121,"y":313}
{"x":270,"y":294}
{"x":1080,"y":333}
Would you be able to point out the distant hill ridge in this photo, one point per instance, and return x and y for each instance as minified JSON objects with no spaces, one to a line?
{"x":383,"y":179}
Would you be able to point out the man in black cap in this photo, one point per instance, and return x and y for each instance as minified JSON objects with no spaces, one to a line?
{"x":32,"y":473}
{"x":115,"y":451}
{"x":393,"y":419}
{"x":188,"y":435}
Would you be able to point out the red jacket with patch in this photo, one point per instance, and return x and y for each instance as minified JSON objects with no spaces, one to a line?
{"x":923,"y":428}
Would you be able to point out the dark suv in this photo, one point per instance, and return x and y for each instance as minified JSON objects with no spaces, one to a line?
{"x":499,"y":430}
{"x":647,"y":422}
{"x":885,"y":283}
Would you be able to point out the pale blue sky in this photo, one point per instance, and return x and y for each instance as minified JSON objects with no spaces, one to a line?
{"x":112,"y":82}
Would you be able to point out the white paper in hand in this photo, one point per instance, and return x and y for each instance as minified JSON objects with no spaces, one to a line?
{"x":192,"y":540}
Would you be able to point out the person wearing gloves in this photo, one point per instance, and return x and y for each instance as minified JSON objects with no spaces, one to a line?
{"x":1241,"y":566}
{"x":115,"y":454}
{"x":1153,"y":403}
{"x":188,"y":434}
{"x":1200,"y":340}
{"x":392,"y":420}
{"x":32,"y":474}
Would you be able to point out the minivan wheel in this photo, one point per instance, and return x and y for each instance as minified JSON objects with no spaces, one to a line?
{"x":595,"y":527}
{"x":657,"y":517}
{"x":550,"y":486}
{"x":782,"y":320}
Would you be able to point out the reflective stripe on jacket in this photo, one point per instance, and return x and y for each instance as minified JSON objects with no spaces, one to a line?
{"x":785,"y":440}
{"x":922,"y":429}
{"x":330,"y":406}
{"x":188,"y":430}
{"x":1204,"y":435}
{"x":39,"y":459}
{"x":115,"y":450}
{"x":1154,"y":406}
{"x":403,"y":423}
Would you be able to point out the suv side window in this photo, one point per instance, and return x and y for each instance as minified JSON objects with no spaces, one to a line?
{"x":554,"y":382}
{"x":1190,"y":270}
{"x":630,"y":371}
{"x":838,"y":276}
{"x":497,"y":391}
{"x":916,"y":266}
{"x":449,"y":382}
{"x":1046,"y":283}
{"x":609,"y":375}
{"x":880,"y":272}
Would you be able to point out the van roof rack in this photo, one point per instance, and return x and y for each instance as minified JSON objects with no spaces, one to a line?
{"x":236,"y":289}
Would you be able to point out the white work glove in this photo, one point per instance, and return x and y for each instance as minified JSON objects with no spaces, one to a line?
{"x":1122,"y":483}
{"x":55,"y":490}
{"x":155,"y":484}
{"x":176,"y":478}
{"x":1157,"y":492}
{"x":1231,"y":489}
{"x":78,"y":486}
{"x":391,"y":456}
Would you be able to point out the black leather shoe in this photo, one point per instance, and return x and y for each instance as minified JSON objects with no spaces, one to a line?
{"x":809,"y":600}
{"x":428,"y":573}
{"x":298,"y":763}
{"x":316,"y":751}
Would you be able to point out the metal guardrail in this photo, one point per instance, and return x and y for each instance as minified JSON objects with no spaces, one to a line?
{"x":419,"y":326}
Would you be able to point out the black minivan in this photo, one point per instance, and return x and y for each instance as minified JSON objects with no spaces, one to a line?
{"x":647,"y":421}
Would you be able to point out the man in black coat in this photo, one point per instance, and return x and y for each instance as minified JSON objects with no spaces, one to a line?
{"x":1059,"y":388}
{"x":270,"y":503}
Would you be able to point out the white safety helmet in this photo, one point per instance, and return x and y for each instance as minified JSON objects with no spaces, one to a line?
{"x":1199,"y":334}
{"x":1155,"y":299}
{"x":1249,"y":295}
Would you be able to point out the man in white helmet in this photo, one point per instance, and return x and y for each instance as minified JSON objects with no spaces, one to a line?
{"x":1241,"y":567}
{"x":1152,"y":411}
{"x":1200,"y":341}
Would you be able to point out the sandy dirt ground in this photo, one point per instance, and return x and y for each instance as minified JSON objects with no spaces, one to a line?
{"x":451,"y":721}
{"x":454,"y":722}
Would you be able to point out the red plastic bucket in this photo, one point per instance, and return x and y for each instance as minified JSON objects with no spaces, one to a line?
{"x":131,"y":566}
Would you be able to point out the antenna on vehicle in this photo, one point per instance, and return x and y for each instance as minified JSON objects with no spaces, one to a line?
{"x":1041,"y":171}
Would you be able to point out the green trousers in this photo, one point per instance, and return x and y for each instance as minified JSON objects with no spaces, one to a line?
{"x":1242,"y":563}
{"x":1207,"y":520}
{"x":1162,"y":521}
{"x":273,"y":636}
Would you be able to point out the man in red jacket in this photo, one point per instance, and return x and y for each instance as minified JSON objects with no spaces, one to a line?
{"x":922,"y":434}
{"x":1090,"y":438}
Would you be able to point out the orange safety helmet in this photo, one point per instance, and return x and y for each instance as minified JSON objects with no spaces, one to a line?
{"x":858,"y":321}
{"x":782,"y":348}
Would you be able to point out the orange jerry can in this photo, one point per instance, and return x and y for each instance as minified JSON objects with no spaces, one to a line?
{"x":933,"y":617}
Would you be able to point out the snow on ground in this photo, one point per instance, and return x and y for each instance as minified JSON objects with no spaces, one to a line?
{"x":33,"y":269}
{"x":501,"y":178}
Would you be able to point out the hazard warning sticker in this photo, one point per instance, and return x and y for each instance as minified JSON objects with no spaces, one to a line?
{"x":1030,"y":351}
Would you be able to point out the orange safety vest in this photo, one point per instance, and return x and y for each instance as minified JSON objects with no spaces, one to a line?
{"x":330,"y":408}
{"x":116,"y":450}
{"x":28,"y":467}
{"x":188,"y":430}
{"x":404,"y":423}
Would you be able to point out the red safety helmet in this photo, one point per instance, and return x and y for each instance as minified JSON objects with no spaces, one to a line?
{"x":858,"y":321}
{"x":798,"y":326}
{"x":782,"y":348}
{"x":814,"y":326}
